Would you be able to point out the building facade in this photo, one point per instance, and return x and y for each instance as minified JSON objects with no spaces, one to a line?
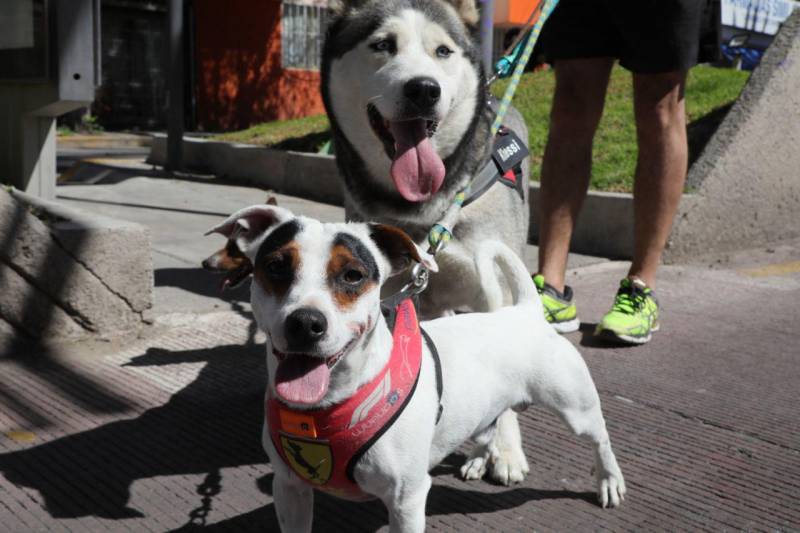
{"x":246,"y":62}
{"x":257,"y":60}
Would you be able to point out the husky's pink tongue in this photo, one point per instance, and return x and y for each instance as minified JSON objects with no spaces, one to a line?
{"x":417,"y":170}
{"x":302,"y":379}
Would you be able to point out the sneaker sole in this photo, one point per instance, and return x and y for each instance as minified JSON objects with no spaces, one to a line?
{"x":568,"y":326}
{"x":610,"y":336}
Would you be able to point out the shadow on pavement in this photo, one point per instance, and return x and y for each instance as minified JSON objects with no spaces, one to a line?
{"x":202,"y":282}
{"x":213,"y":423}
{"x":334,"y":515}
{"x":589,"y":340}
{"x":42,"y":296}
{"x":143,"y":206}
{"x":198,"y":281}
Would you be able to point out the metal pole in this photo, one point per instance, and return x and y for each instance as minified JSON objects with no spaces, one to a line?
{"x":487,"y":35}
{"x":175,"y":119}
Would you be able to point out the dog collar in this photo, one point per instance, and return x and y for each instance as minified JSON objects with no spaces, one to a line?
{"x":322,"y":446}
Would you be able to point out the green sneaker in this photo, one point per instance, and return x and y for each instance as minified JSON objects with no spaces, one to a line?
{"x":633,"y":317}
{"x":559,"y":309}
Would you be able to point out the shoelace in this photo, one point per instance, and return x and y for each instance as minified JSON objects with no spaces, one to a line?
{"x":629,"y":299}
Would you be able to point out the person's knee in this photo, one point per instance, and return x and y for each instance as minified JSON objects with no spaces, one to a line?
{"x":660,"y":119}
{"x":658,"y":103}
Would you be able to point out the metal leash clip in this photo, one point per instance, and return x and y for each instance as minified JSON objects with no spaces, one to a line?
{"x":419,"y":280}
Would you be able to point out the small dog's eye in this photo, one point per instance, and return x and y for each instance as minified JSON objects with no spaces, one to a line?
{"x":384,"y":45}
{"x":277,"y":267}
{"x":353,"y":276}
{"x":443,"y":51}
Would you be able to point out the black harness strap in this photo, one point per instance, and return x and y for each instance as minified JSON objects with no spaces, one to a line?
{"x":437,"y":363}
{"x":388,"y":307}
{"x":508,"y":152}
{"x":351,"y":465}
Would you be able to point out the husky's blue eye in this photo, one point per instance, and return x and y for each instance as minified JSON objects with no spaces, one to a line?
{"x":384,"y":45}
{"x":443,"y":51}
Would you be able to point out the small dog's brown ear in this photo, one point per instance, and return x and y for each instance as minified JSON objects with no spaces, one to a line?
{"x":271,"y":200}
{"x":399,"y":249}
{"x":467,"y":10}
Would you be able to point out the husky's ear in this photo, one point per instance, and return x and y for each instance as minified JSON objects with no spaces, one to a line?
{"x":340,"y":7}
{"x":246,"y":225}
{"x":399,"y":249}
{"x":467,"y":10}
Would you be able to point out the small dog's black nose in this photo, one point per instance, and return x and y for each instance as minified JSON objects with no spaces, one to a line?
{"x":424,"y":92}
{"x":304,"y":327}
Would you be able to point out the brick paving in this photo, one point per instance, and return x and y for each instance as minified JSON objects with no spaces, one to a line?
{"x":163,"y":434}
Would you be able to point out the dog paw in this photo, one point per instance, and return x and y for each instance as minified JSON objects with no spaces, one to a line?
{"x":474,"y":468}
{"x":509,"y":466}
{"x":610,"y":489}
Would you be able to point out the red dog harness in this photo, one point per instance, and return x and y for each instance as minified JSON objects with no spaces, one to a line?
{"x":323,"y":446}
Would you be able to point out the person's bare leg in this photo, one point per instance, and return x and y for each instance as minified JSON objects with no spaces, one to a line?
{"x":577,"y":107}
{"x":661,"y":166}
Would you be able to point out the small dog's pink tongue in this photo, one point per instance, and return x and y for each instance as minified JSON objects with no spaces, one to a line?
{"x":417,"y":170}
{"x":302,"y":379}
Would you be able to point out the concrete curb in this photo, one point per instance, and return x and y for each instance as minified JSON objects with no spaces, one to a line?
{"x":68,"y":274}
{"x":605,"y":226}
{"x":310,"y":176}
{"x":102,"y":140}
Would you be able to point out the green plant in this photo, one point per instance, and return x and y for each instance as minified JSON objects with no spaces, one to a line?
{"x":306,"y":134}
{"x":90,"y":124}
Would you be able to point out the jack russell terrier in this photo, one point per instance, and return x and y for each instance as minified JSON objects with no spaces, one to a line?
{"x":362,"y":400}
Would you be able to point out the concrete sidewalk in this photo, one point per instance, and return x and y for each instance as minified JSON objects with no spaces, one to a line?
{"x":162,"y":433}
{"x":178,"y":212}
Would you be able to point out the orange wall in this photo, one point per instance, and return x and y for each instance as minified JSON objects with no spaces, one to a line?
{"x":512,"y":12}
{"x":240,"y":81}
{"x":519,"y":11}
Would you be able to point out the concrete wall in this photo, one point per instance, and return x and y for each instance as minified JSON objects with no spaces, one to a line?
{"x":748,"y":177}
{"x":27,"y":139}
{"x":65,"y":274}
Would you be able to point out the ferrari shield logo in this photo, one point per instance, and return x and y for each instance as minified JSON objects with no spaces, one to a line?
{"x":310,"y":459}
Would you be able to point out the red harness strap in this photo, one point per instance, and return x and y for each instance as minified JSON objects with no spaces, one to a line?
{"x":322,"y":446}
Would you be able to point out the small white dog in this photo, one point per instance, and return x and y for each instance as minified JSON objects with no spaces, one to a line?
{"x":361,"y":410}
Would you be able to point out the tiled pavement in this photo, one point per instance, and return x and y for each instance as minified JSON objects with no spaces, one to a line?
{"x":163,"y":434}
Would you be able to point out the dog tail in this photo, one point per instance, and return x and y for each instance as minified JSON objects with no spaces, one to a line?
{"x":523,"y":291}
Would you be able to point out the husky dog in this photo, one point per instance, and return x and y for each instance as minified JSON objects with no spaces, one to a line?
{"x":405,"y":92}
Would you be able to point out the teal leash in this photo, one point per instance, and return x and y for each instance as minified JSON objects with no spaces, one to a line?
{"x":441,"y":233}
{"x":519,"y":62}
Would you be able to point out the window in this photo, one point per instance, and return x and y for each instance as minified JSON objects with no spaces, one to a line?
{"x":302,"y":32}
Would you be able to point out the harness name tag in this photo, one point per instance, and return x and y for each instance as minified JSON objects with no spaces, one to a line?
{"x":509,"y":151}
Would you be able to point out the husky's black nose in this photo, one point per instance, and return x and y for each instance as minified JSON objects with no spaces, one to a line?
{"x":304,"y":327}
{"x":424,"y":92}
